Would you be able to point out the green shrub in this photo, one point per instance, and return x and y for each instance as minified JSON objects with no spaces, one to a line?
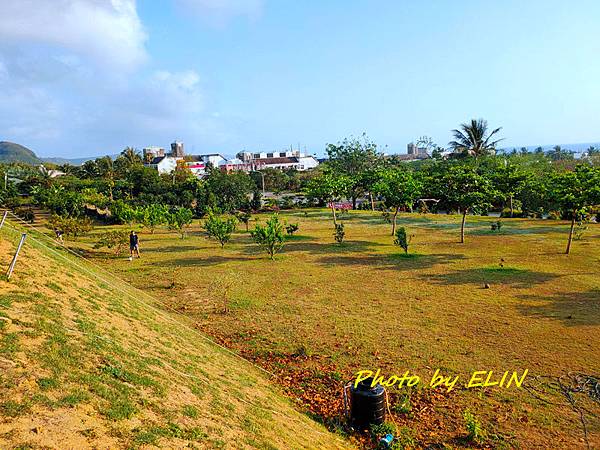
{"x":25,"y":213}
{"x":113,"y":239}
{"x":270,"y":237}
{"x":219,"y":228}
{"x":402,"y":239}
{"x":71,"y":226}
{"x":339,"y":233}
{"x":475,"y":431}
{"x":291,"y":228}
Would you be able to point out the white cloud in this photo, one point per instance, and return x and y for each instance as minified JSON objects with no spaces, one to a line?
{"x":107,"y":31}
{"x":72,"y":82}
{"x":220,"y":11}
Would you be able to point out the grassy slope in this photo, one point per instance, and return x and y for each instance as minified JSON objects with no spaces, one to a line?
{"x":86,"y":363}
{"x":374,"y":308}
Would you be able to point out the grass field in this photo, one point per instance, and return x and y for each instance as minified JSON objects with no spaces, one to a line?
{"x":88,"y":362}
{"x":321,"y":312}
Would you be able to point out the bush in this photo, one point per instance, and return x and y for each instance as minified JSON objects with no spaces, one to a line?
{"x":219,"y":228}
{"x":270,"y":237}
{"x":402,"y":239}
{"x":475,"y":432}
{"x":291,"y":228}
{"x":286,"y":202}
{"x":71,"y":226}
{"x":495,"y":226}
{"x":179,"y":218}
{"x":339,"y":233}
{"x":25,"y":213}
{"x":113,"y":239}
{"x":244,"y":217}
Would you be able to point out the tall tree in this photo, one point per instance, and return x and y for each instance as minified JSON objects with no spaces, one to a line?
{"x":400,"y":188}
{"x":351,"y":158}
{"x":473,"y":139}
{"x":573,"y":192}
{"x":468,"y":191}
{"x":509,"y":179}
{"x":328,"y":187}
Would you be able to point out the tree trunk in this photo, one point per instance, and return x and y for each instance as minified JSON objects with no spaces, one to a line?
{"x":372,"y":202}
{"x":462,"y":227}
{"x":354,"y":202}
{"x":571,"y":233}
{"x":333,"y":211}
{"x":511,"y":206}
{"x":394,"y":220}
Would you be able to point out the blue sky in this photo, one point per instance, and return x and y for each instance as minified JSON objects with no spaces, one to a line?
{"x":88,"y":77}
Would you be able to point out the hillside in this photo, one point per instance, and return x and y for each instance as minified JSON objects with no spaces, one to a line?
{"x":87,"y":361}
{"x":11,"y":152}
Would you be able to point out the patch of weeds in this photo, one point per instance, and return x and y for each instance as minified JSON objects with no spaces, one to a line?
{"x":9,"y":343}
{"x":198,"y":390}
{"x":301,"y":351}
{"x":42,"y":399}
{"x":403,"y":405}
{"x":74,"y":398}
{"x":89,"y":433}
{"x":475,"y":432}
{"x":55,"y":287}
{"x":46,"y":384}
{"x":120,"y":408}
{"x":24,"y":446}
{"x":151,"y":434}
{"x":379,"y":431}
{"x":10,"y":408}
{"x":121,"y":374}
{"x":5,"y":301}
{"x":190,"y":411}
{"x":404,"y":439}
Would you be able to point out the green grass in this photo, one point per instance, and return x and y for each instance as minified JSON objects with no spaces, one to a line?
{"x":94,"y":351}
{"x":366,"y":305}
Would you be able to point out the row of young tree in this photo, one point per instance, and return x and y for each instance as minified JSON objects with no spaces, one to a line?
{"x":473,"y":180}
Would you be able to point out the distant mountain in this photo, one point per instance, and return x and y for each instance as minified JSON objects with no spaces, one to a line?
{"x":73,"y":161}
{"x":11,"y":152}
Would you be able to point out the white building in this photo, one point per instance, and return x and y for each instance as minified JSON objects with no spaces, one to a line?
{"x":291,"y":159}
{"x":197,"y":164}
{"x":163,"y":164}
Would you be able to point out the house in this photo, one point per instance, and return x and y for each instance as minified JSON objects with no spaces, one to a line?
{"x":197,"y":164}
{"x":292,"y":159}
{"x":163,"y":164}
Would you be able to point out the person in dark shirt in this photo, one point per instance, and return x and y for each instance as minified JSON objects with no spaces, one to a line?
{"x":134,"y":245}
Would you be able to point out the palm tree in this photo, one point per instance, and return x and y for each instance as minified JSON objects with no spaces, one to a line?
{"x":472,"y":139}
{"x":132,"y":156}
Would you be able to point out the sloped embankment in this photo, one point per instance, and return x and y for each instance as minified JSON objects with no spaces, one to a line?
{"x":88,"y":362}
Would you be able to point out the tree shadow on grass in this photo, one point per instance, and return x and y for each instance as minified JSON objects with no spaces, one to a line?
{"x":400,"y":261}
{"x":508,"y":276}
{"x":295,"y":245}
{"x":573,"y":309}
{"x":170,"y":249}
{"x":201,"y":262}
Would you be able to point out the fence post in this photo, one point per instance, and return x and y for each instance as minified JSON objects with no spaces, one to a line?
{"x":14,"y":260}
{"x":3,"y":218}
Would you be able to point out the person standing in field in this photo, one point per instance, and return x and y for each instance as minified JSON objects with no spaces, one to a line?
{"x":134,"y":245}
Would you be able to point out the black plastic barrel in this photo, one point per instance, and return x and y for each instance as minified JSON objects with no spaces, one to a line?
{"x":367,"y":404}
